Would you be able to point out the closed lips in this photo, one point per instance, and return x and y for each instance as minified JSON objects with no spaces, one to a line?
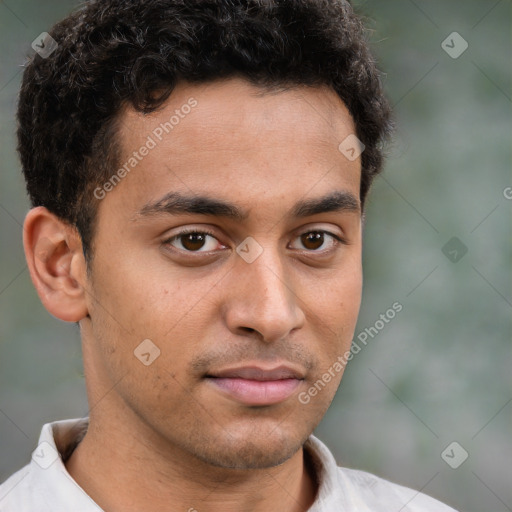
{"x":255,"y":386}
{"x":260,"y":374}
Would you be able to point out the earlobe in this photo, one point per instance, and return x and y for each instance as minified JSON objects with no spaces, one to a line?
{"x":53,"y":250}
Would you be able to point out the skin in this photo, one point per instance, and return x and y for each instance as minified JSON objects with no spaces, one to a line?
{"x":160,"y":436}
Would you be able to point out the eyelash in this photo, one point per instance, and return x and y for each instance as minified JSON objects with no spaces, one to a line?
{"x":205,"y":231}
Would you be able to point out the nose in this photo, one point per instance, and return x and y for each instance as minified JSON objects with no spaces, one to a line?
{"x":263,"y":298}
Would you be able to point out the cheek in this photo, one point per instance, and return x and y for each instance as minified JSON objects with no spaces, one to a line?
{"x":140,"y":303}
{"x":142,"y":298}
{"x":338,"y":301}
{"x":146,"y":339}
{"x":335,"y":313}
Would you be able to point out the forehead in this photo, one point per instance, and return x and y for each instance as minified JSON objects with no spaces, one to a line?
{"x":224,"y":107}
{"x":230,"y":136}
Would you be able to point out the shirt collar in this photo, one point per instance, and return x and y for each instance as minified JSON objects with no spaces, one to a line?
{"x":50,"y":478}
{"x":56,"y":486}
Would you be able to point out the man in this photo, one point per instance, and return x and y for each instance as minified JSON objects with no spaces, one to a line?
{"x":198,"y":173}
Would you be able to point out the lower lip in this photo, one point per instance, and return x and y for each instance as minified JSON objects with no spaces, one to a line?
{"x":256,"y":392}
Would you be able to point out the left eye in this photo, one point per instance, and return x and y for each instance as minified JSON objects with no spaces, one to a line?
{"x":314,"y":240}
{"x":204,"y":241}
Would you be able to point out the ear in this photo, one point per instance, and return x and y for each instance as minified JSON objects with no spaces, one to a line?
{"x":57,"y":266}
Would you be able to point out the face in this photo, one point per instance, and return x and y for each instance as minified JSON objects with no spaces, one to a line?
{"x":226,"y":277}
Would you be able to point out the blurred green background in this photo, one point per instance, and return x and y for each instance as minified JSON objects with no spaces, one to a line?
{"x":440,"y":371}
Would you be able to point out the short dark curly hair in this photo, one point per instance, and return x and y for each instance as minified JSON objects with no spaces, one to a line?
{"x":113,"y":53}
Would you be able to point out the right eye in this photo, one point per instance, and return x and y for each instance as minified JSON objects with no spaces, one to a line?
{"x":193,"y":240}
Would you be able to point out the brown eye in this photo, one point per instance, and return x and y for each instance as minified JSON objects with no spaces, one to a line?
{"x":313,"y":240}
{"x":194,"y":241}
{"x":319,"y":241}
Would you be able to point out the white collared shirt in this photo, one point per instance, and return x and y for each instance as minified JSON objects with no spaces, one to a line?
{"x":44,"y":485}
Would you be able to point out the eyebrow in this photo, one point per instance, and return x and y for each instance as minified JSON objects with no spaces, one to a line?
{"x":175,"y":203}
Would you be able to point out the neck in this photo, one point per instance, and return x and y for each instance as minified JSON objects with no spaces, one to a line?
{"x":123,"y":465}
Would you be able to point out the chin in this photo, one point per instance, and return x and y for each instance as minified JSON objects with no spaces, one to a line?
{"x":260,"y":451}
